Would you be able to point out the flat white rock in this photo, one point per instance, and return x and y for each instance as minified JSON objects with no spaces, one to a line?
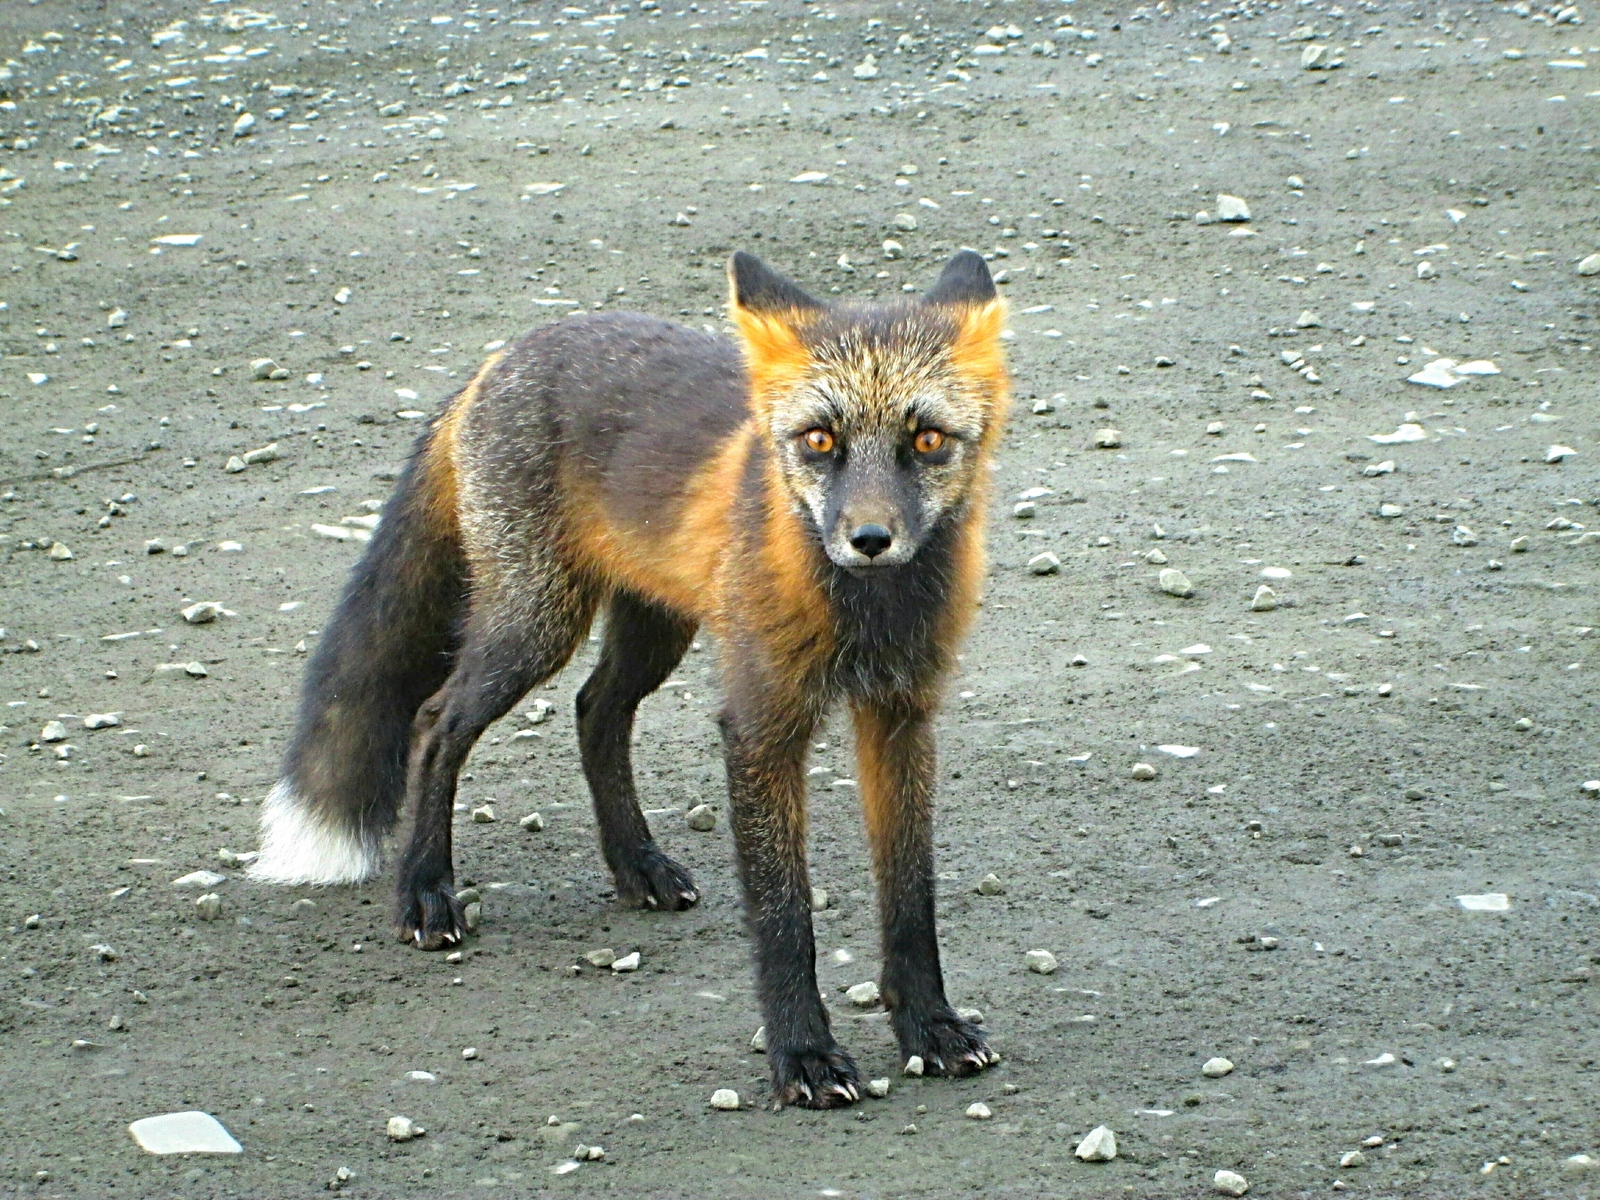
{"x":1231,"y":208}
{"x":1179,"y":751}
{"x":1406,"y":433}
{"x":183,"y":1133}
{"x":1099,"y":1145}
{"x":725,"y":1099}
{"x":628,"y":962}
{"x":1216,"y":1068}
{"x":199,"y":879}
{"x":1488,"y":902}
{"x":1438,"y":374}
{"x":1041,"y":962}
{"x":1175,"y":583}
{"x":403,"y":1129}
{"x":978,"y":1111}
{"x":863,"y":995}
{"x":1557,"y":453}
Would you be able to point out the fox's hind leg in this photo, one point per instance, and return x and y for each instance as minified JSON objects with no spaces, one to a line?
{"x":512,"y":643}
{"x":643,"y":642}
{"x":895,"y":760}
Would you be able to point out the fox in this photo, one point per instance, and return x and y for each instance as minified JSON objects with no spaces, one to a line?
{"x":813,"y":492}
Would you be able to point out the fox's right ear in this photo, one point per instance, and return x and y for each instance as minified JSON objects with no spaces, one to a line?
{"x":770,"y":312}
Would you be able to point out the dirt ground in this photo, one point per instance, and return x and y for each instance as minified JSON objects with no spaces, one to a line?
{"x":1413,"y":722}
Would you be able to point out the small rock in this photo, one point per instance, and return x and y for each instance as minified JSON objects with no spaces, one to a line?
{"x":725,"y":1099}
{"x":1232,"y":208}
{"x":1488,"y":902}
{"x":101,"y":721}
{"x":1353,"y":1158}
{"x":1044,"y":564}
{"x":1311,"y":57}
{"x":262,"y":368}
{"x":539,"y":711}
{"x":1582,"y":1164}
{"x":758,"y":1040}
{"x":863,"y":995}
{"x":628,"y":962}
{"x":1175,"y":583}
{"x":1553,"y":455}
{"x":204,"y":612}
{"x":59,"y":552}
{"x":1386,"y":467}
{"x":701,"y":818}
{"x":302,"y":907}
{"x":1588,"y":266}
{"x":199,"y":879}
{"x":472,"y":915}
{"x":234,"y":465}
{"x":1155,"y":557}
{"x":867,"y":68}
{"x":1024,"y":509}
{"x":119,"y":317}
{"x":1143,"y":772}
{"x":1462,"y":536}
{"x":1098,"y":1145}
{"x":1229,"y":1183}
{"x":483,"y":815}
{"x":244,"y":125}
{"x":1265,"y":599}
{"x":1308,"y":320}
{"x":54,"y":731}
{"x":907,"y":223}
{"x":469,"y":1054}
{"x":978,"y":1111}
{"x":208,"y":907}
{"x":1408,"y":432}
{"x":533,"y":822}
{"x":990,"y":885}
{"x":1041,"y":962}
{"x":1390,"y":511}
{"x":819,"y":899}
{"x":404,"y":1129}
{"x":914,"y":1065}
{"x":878,"y":1088}
{"x":1426,"y":270}
{"x":265,"y":454}
{"x":1216,"y":1068}
{"x":1108,"y":439}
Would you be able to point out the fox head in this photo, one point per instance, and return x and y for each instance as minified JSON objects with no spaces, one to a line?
{"x":880,"y":418}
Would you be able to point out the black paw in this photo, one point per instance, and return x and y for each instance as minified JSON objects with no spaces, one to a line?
{"x":814,"y":1078}
{"x":429,"y":917}
{"x":946,"y":1043}
{"x":649,"y":879}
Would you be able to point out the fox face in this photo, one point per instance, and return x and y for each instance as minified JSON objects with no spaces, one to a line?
{"x":879,"y":418}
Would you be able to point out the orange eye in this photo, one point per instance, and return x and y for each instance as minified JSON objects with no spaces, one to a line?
{"x":819,"y":441}
{"x":928,"y":441}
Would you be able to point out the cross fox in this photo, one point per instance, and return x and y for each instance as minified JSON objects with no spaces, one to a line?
{"x":815,"y":495}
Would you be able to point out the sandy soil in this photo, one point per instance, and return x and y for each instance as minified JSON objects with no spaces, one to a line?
{"x":1414,"y":722}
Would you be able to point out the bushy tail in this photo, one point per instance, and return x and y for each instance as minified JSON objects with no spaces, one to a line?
{"x":387,"y":648}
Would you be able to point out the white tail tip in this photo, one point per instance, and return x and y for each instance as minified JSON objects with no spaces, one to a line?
{"x":298,"y":847}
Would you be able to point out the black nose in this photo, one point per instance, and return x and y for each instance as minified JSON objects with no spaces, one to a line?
{"x":871,"y":540}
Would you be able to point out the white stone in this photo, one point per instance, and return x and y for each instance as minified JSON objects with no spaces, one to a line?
{"x":243,"y":126}
{"x":1143,"y":772}
{"x":1107,"y":439}
{"x":1040,"y":962}
{"x":208,"y":907}
{"x":1308,"y":320}
{"x":1407,"y":432}
{"x":601,"y":958}
{"x":1352,"y":1158}
{"x":204,"y":612}
{"x":484,"y":815}
{"x":1216,"y":1068}
{"x":990,"y":885}
{"x":404,"y":1129}
{"x":1553,"y":455}
{"x":1098,"y":1145}
{"x":54,"y":731}
{"x":1437,"y":374}
{"x":1175,"y":583}
{"x":978,"y":1111}
{"x":422,"y":1077}
{"x":1589,"y":266}
{"x":1230,"y":1183}
{"x":101,"y":720}
{"x":1044,"y":564}
{"x":1155,"y":557}
{"x":470,"y":1054}
{"x":265,"y":454}
{"x":819,"y":899}
{"x":533,"y":822}
{"x":1178,"y":751}
{"x":59,"y":552}
{"x":1265,"y":599}
{"x":1581,"y":1164}
{"x":537,"y":714}
{"x":1386,"y":467}
{"x":183,"y":1133}
{"x":199,"y":879}
{"x":915,"y":1065}
{"x":628,"y":962}
{"x":725,"y":1099}
{"x":234,"y":465}
{"x":1390,"y":510}
{"x":867,"y":68}
{"x":810,"y":177}
{"x":701,"y":818}
{"x":758,"y":1040}
{"x":878,"y":1088}
{"x":1488,"y":902}
{"x":1232,"y":208}
{"x":863,"y":995}
{"x":1478,"y":366}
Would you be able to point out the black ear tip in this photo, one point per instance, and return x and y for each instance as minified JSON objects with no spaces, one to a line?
{"x":964,"y":280}
{"x":757,"y":287}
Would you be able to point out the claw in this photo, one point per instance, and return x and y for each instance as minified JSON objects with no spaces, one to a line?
{"x":418,"y":936}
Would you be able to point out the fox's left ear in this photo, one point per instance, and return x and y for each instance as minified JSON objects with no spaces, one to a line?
{"x":770,"y":311}
{"x":966,"y":287}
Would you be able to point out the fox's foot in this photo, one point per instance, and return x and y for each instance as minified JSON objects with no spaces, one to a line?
{"x":946,"y":1043}
{"x":428,"y":916}
{"x":825,"y":1078}
{"x":647,"y":878}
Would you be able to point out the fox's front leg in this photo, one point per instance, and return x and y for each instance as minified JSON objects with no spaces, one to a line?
{"x":767,"y":795}
{"x":896,"y":765}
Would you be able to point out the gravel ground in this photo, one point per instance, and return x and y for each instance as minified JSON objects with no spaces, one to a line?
{"x":1411,"y":724}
